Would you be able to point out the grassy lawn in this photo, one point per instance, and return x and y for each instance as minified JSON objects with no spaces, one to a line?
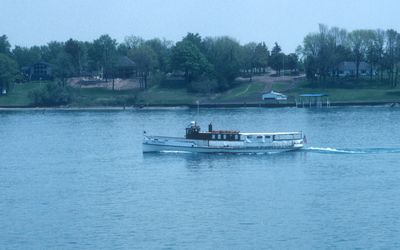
{"x":249,"y":92}
{"x":243,"y":92}
{"x":102,"y":97}
{"x":159,"y":95}
{"x":356,"y":93}
{"x":18,"y":95}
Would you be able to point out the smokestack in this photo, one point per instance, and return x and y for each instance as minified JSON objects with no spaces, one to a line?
{"x":210,"y":127}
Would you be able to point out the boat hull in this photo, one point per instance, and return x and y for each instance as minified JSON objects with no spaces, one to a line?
{"x":153,"y":148}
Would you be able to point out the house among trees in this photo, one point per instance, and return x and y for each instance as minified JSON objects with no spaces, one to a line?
{"x":125,"y":68}
{"x":350,"y":69}
{"x":38,"y":71}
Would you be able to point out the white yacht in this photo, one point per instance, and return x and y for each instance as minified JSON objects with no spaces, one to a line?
{"x":224,"y":141}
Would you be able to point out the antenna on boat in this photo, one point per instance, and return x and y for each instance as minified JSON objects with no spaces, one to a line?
{"x":198,"y":107}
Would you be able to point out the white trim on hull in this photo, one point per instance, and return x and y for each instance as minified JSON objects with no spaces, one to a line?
{"x":153,"y":148}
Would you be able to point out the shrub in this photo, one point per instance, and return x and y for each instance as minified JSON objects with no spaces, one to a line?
{"x":205,"y":86}
{"x":156,"y":78}
{"x":51,"y":94}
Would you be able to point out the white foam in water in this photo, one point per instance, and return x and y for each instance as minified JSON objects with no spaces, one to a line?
{"x":321,"y":150}
{"x":353,"y":151}
{"x":334,"y":150}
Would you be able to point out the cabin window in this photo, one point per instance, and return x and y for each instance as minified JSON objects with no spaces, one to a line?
{"x":219,"y":137}
{"x":267,"y":137}
{"x":284,"y":137}
{"x":214,"y":136}
{"x":223,"y":137}
{"x":236,"y":137}
{"x":259,"y":137}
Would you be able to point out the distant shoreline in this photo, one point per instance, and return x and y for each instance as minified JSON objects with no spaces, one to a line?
{"x":194,"y":106}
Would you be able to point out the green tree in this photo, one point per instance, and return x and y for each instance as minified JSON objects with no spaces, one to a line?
{"x":8,"y":71}
{"x":277,"y":58}
{"x":36,"y":53}
{"x":162,"y":49}
{"x":4,"y":45}
{"x":63,"y":67}
{"x":78,"y":53}
{"x":326,"y":56}
{"x":122,"y":49}
{"x":261,"y":55}
{"x":359,"y":45}
{"x":196,"y":39}
{"x":25,"y":56}
{"x":186,"y":57}
{"x":323,"y":52}
{"x":103,"y":53}
{"x":146,"y":61}
{"x":248,"y":58}
{"x":224,"y":53}
{"x":50,"y":52}
{"x":310,"y":53}
{"x":376,"y":51}
{"x":132,"y":42}
{"x":292,"y":62}
{"x":390,"y":56}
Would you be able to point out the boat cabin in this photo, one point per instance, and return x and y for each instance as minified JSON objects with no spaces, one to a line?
{"x":193,"y":132}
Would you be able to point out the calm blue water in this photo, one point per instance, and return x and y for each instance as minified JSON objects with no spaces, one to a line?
{"x":78,"y":180}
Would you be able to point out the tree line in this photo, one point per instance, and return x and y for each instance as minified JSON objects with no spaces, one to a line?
{"x":214,"y":62}
{"x":211,"y":59}
{"x":322,"y":52}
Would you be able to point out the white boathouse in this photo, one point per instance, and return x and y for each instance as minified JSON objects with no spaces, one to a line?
{"x":272,"y":95}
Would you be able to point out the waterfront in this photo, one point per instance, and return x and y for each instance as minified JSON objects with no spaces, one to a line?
{"x":78,"y":179}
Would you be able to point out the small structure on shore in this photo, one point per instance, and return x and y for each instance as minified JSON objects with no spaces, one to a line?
{"x":38,"y":71}
{"x":125,"y":68}
{"x":274,"y":96}
{"x":349,"y":69}
{"x":316,"y":99}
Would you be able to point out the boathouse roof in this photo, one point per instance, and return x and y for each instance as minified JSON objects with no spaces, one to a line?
{"x":314,"y":95}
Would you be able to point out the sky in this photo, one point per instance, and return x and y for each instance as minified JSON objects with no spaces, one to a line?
{"x":37,"y":22}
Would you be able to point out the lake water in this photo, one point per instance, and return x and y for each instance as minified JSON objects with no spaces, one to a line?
{"x":78,"y":180}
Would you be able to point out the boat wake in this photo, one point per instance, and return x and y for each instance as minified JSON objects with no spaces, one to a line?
{"x":352,"y":151}
{"x":318,"y":150}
